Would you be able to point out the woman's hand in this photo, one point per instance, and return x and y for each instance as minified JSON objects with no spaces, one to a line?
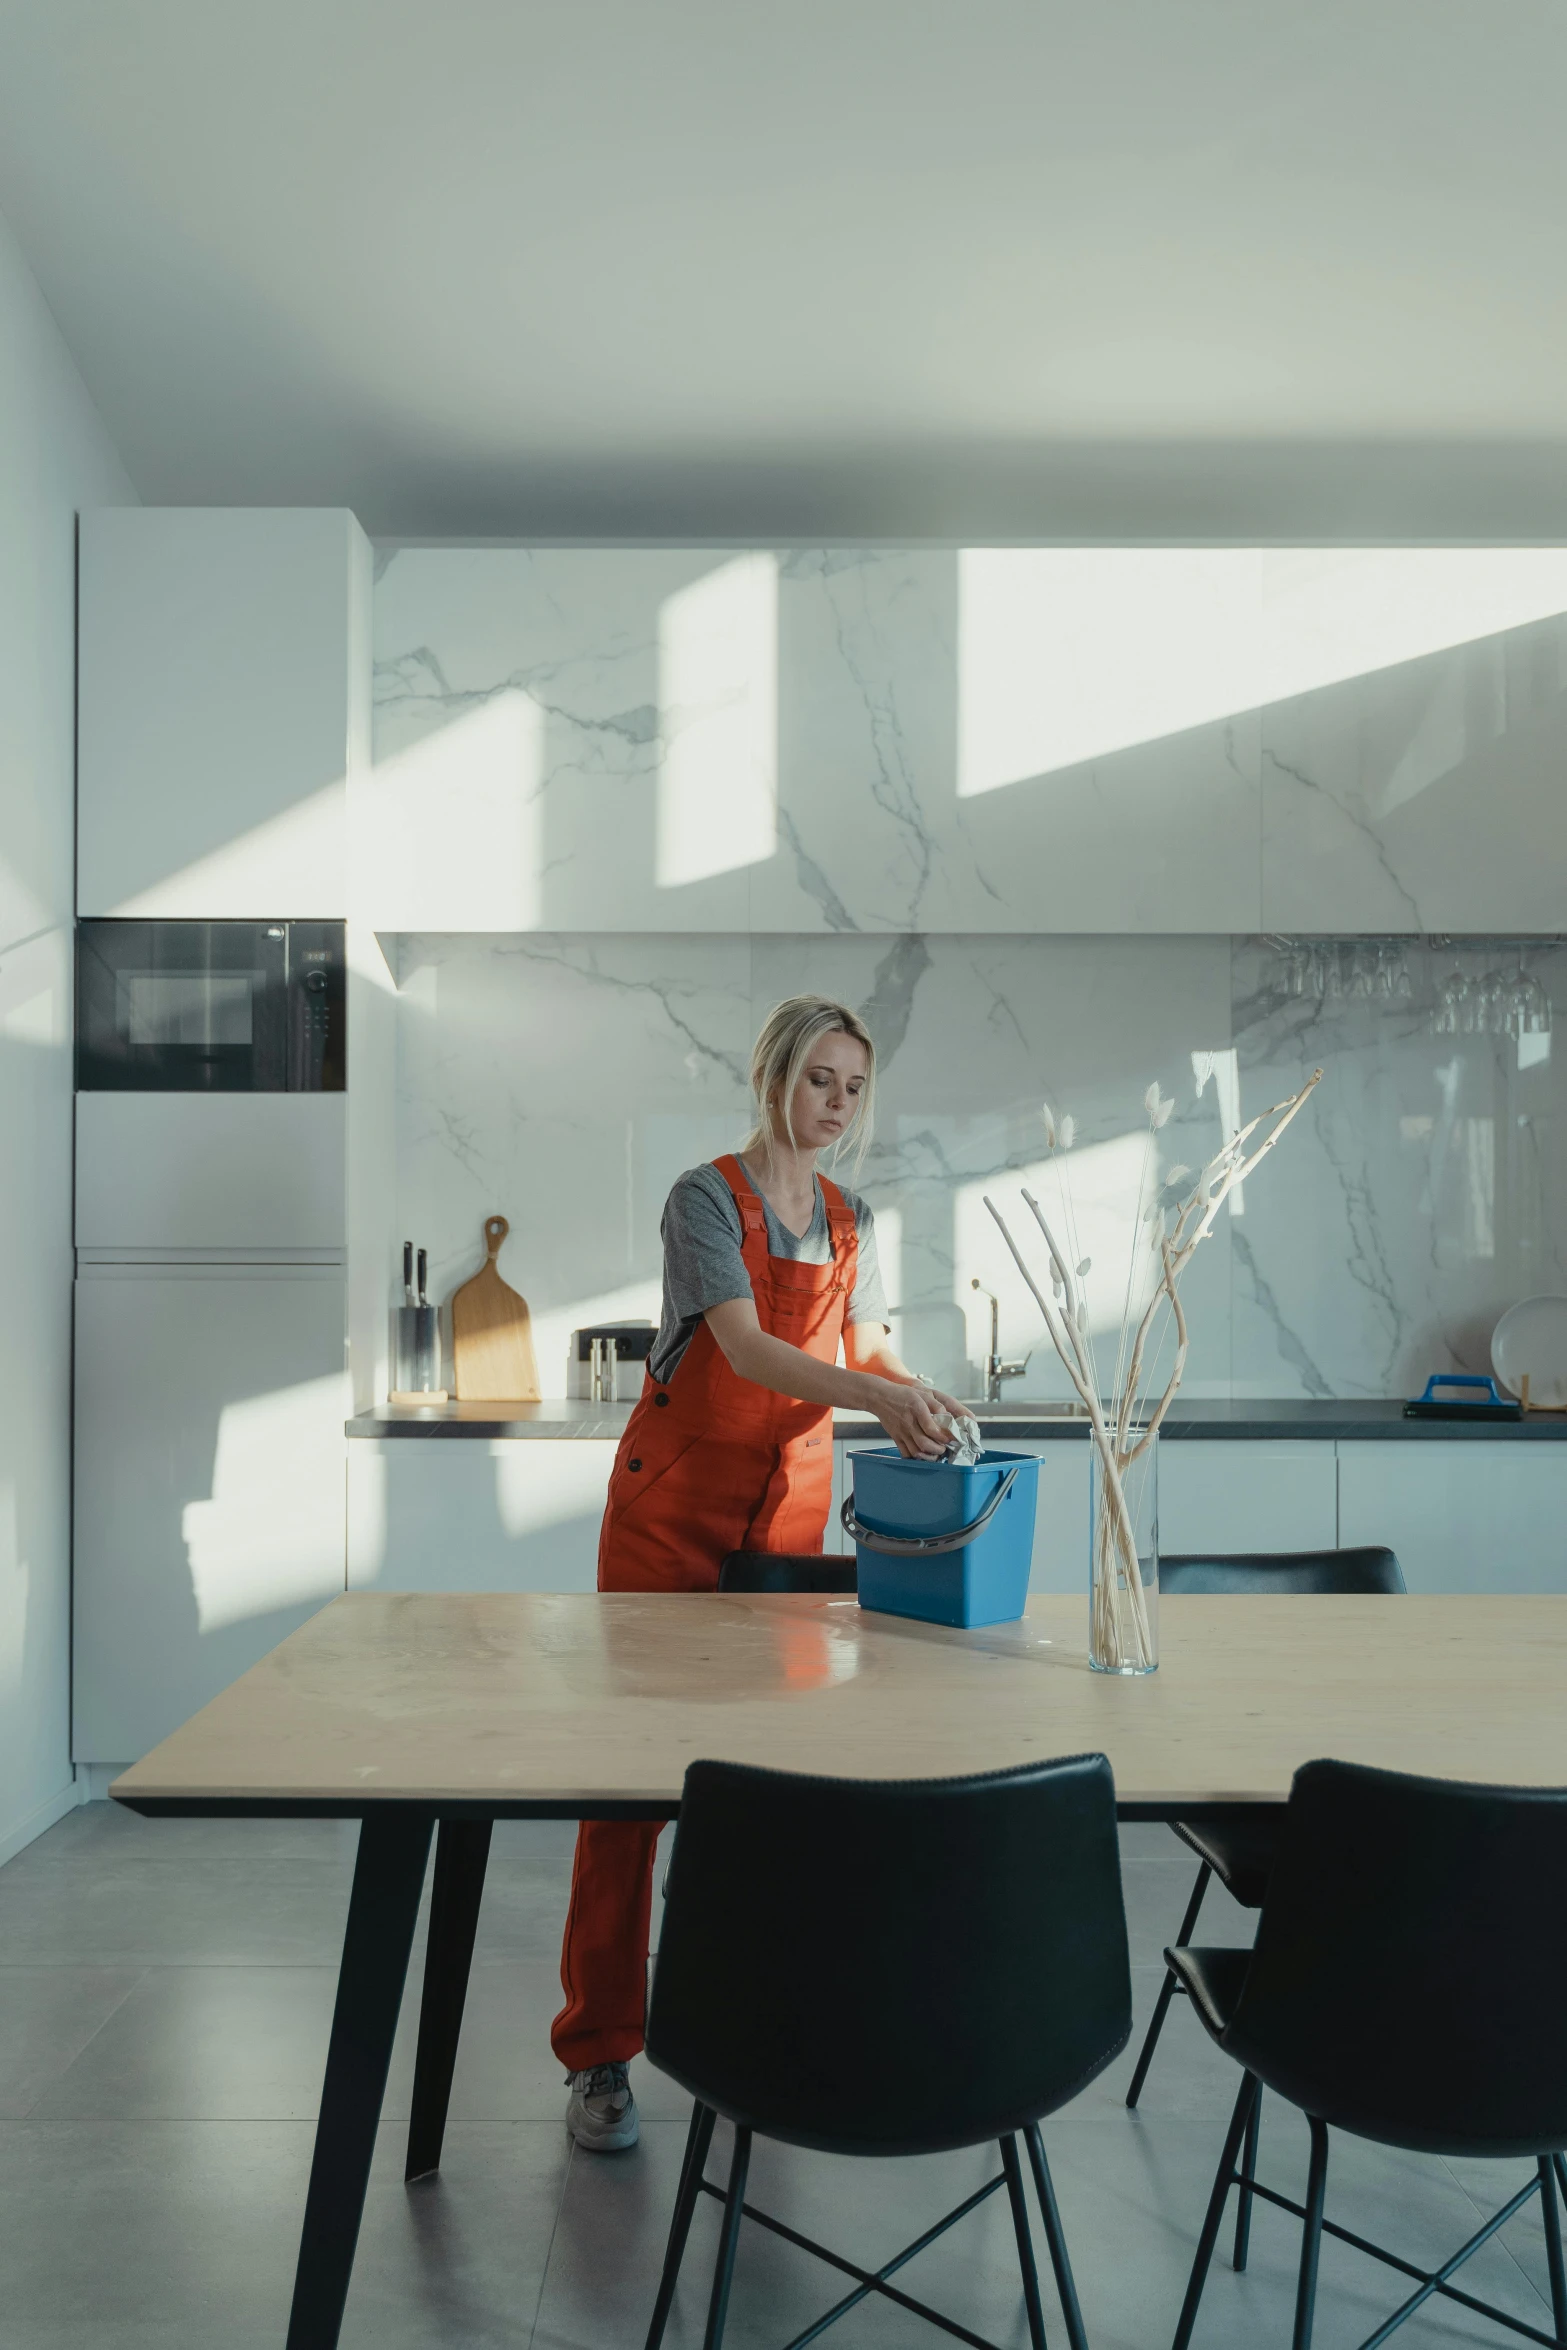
{"x":909,"y":1415}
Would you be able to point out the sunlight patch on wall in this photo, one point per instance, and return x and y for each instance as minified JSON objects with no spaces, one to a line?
{"x":1222,"y":1068}
{"x":448,"y":834}
{"x":1107,"y":1180}
{"x":718,"y":722}
{"x":271,"y":1538}
{"x":1067,"y":654}
{"x":889,"y":1255}
{"x":35,"y":991}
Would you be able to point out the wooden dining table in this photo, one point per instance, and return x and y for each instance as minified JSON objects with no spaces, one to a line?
{"x":434,"y":1715}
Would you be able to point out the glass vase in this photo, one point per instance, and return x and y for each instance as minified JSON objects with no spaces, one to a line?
{"x":1123,"y":1552}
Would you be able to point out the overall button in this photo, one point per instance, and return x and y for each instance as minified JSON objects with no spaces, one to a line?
{"x":661,"y":1400}
{"x":633,"y":1464}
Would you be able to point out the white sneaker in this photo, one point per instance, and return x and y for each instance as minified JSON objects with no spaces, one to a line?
{"x":602,"y":2113}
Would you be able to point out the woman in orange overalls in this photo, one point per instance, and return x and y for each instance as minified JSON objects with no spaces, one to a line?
{"x":767,"y":1267}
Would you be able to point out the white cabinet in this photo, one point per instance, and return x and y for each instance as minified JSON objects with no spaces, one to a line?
{"x":223,"y":698}
{"x":459,"y":1514}
{"x":236,"y":1172}
{"x":209,"y":1485}
{"x":1462,"y":1516}
{"x":1239,"y":1496}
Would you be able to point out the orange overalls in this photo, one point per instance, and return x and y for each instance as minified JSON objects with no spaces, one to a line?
{"x":708,"y":1464}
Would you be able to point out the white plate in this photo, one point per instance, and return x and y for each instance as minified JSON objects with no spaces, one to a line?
{"x":1532,"y":1338}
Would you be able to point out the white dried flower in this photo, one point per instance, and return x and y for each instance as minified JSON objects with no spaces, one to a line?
{"x":1056,"y":1282}
{"x":1083,"y":1268}
{"x":1068,"y":1132}
{"x":1176,"y":1175}
{"x":1050,"y":1126}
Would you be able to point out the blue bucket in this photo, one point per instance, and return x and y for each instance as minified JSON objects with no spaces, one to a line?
{"x":947,"y":1544}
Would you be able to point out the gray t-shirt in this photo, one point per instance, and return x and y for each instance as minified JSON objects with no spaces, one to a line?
{"x":703,"y":1265}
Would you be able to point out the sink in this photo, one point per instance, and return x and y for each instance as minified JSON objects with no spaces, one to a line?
{"x":1022,"y":1410}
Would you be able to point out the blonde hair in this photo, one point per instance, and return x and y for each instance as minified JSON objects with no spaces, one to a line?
{"x":782,"y":1054}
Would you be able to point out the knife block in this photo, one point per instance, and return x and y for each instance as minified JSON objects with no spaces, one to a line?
{"x":418,"y":1350}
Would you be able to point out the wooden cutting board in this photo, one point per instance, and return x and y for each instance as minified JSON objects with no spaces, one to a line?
{"x":492,"y":1333}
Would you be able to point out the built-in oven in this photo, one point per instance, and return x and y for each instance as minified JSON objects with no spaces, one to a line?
{"x":210,"y":1007}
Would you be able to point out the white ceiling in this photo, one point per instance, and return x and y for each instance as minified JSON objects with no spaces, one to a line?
{"x":872,"y":267}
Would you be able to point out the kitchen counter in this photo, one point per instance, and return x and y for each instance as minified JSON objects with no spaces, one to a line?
{"x":1252,"y":1421}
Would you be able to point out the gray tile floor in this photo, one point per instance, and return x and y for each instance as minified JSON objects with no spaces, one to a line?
{"x":165,"y":1995}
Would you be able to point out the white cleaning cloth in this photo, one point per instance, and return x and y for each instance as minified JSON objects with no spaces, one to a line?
{"x":964,"y":1442}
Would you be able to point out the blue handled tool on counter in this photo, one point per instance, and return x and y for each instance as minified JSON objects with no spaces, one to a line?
{"x":1495,"y":1405}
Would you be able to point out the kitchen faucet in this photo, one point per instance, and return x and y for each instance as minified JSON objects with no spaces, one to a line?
{"x":995,"y":1369}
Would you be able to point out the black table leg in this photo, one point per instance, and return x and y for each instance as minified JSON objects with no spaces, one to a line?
{"x":462,"y":1849}
{"x":388,"y":1880}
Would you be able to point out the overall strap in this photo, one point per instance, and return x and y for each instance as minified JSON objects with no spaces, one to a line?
{"x":753,"y":1216}
{"x":841,"y":1224}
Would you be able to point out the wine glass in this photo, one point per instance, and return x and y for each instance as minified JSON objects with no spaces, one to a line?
{"x":1453,"y":1013}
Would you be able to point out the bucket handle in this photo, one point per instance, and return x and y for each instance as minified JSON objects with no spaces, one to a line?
{"x":925,"y":1546}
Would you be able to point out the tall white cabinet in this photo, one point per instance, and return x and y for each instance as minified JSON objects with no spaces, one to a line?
{"x":224,"y":683}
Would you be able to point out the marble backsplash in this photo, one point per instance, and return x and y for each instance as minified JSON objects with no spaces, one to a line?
{"x":566,"y":1078}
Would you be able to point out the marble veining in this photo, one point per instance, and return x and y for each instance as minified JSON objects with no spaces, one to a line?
{"x":566,"y":1079}
{"x":1426,"y":1189}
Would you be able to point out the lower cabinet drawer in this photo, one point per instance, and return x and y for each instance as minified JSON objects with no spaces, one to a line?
{"x":442,"y":1515}
{"x":1247,"y":1496}
{"x":1461,"y":1516}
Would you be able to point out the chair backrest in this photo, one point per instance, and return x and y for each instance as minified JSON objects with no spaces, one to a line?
{"x":892,"y":1966}
{"x":1285,"y":1572}
{"x":772,"y":1570}
{"x":1407,"y":1979}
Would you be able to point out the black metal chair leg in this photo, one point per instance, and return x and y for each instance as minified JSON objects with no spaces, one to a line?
{"x":462,"y":1851}
{"x":1167,"y":1988}
{"x":1055,"y":2237}
{"x":1248,"y":2171}
{"x":1250,"y":2090}
{"x":394,"y":1845}
{"x":1025,"y":2245}
{"x":1553,"y":2245}
{"x":698,"y":2139}
{"x":723,"y":2273}
{"x":1311,"y":2236}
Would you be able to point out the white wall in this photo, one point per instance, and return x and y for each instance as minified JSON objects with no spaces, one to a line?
{"x":55,"y":458}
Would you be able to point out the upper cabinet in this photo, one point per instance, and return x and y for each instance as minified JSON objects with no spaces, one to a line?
{"x":804,"y":741}
{"x":1429,"y":794}
{"x":1016,"y":739}
{"x":223,"y":704}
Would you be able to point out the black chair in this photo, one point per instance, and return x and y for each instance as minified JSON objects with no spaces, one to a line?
{"x":1405,"y":1986}
{"x":776,"y":1570}
{"x":888,"y":1967}
{"x":1238,"y":1846}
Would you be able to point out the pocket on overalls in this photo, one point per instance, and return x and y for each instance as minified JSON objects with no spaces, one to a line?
{"x":642,"y":1471}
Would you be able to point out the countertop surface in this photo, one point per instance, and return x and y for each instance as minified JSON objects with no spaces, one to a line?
{"x":1253,"y":1420}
